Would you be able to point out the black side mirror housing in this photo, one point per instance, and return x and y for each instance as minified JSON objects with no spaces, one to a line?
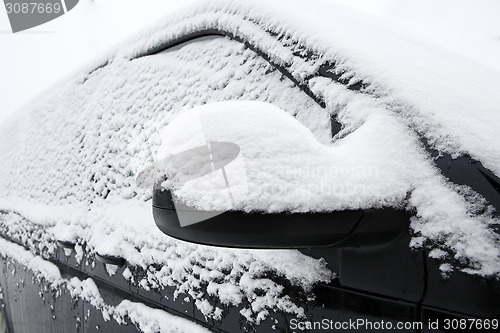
{"x":283,"y":230}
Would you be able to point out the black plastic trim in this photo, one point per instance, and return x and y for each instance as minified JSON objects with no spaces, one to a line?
{"x":65,"y":244}
{"x":108,"y":259}
{"x":281,"y":230}
{"x":254,"y":230}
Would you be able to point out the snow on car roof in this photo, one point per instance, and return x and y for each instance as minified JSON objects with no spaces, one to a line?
{"x":73,"y":157}
{"x":435,"y":89}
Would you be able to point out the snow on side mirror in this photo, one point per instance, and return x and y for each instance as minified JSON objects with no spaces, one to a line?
{"x":247,"y":174}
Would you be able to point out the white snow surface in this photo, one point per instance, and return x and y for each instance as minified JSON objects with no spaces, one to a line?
{"x":287,"y":169}
{"x":41,"y":268}
{"x":79,"y":149}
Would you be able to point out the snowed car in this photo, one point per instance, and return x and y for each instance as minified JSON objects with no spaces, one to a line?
{"x":233,"y":169}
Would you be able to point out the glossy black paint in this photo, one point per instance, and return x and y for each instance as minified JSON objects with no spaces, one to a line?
{"x":31,"y":306}
{"x":464,"y":170}
{"x":389,"y":269}
{"x":459,"y":292}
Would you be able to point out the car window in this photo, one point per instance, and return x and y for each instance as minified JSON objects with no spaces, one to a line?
{"x":101,"y":128}
{"x":123,"y":105}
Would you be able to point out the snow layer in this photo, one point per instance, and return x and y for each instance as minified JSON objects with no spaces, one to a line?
{"x":78,"y":151}
{"x":287,"y":169}
{"x":42,"y":269}
{"x":153,"y":320}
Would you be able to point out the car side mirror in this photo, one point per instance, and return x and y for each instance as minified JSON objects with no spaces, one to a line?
{"x":282,"y":230}
{"x":215,"y":160}
{"x":358,"y":228}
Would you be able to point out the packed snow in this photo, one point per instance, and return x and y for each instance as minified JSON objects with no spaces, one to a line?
{"x":287,"y":169}
{"x":78,"y":150}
